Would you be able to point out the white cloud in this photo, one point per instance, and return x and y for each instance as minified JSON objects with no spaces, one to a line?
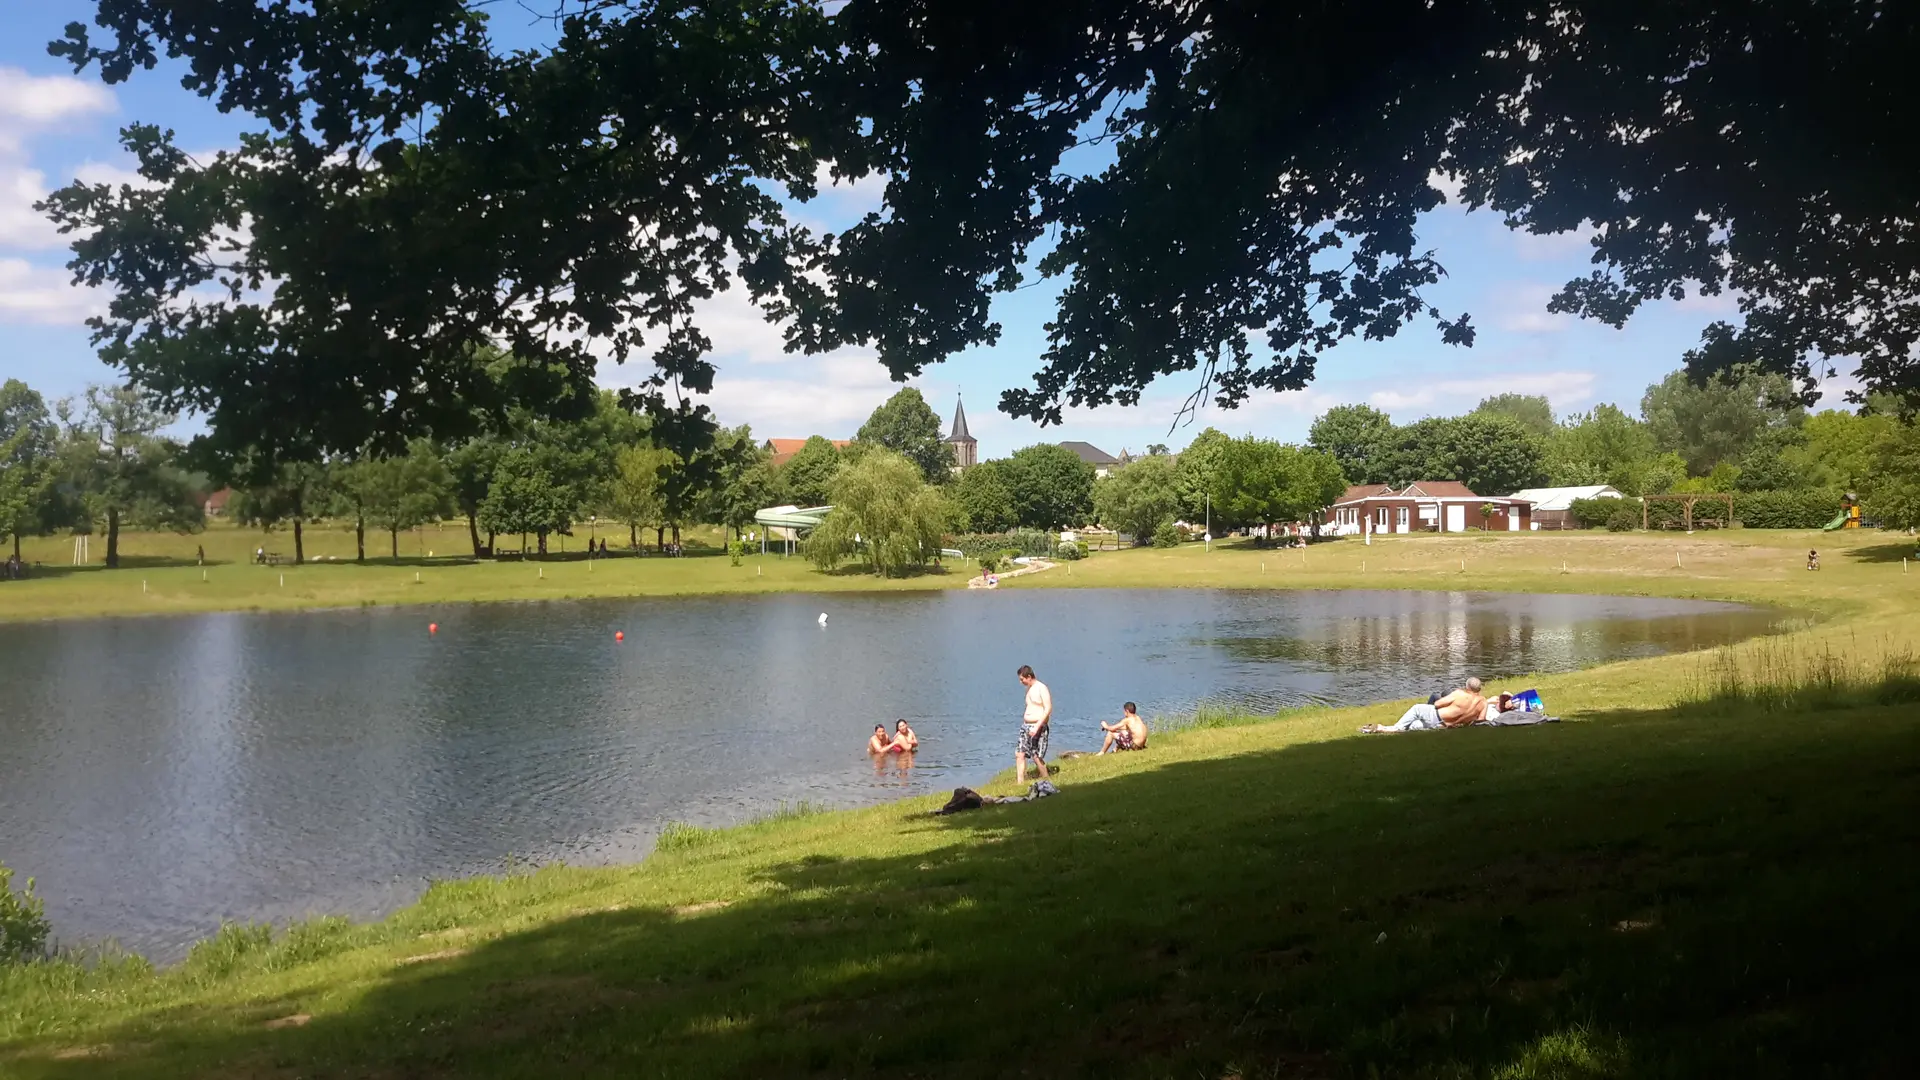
{"x":32,"y":102}
{"x":1566,"y":389}
{"x":1521,"y":308}
{"x":21,"y":226}
{"x":43,"y":295}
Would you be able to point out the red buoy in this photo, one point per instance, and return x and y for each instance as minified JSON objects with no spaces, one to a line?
{"x":433,"y":628}
{"x":619,"y":635}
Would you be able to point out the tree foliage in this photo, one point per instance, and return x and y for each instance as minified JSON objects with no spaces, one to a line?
{"x":1893,"y":490}
{"x":1601,"y":446}
{"x":807,"y":478}
{"x":1052,"y":488}
{"x":1139,"y":498}
{"x":907,"y":425}
{"x":523,"y":499}
{"x":1716,"y":422}
{"x":417,"y":192}
{"x":1533,"y":411}
{"x":126,"y":474}
{"x":29,"y":444}
{"x":983,"y":498}
{"x":884,"y":511}
{"x":1355,"y":435}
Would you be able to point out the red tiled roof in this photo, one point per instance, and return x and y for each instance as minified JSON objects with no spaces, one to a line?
{"x":217,"y":501}
{"x":1440,"y":489}
{"x":784,"y":449}
{"x":1361,"y":491}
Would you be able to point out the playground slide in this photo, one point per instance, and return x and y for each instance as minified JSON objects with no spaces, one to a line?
{"x":1836,"y":523}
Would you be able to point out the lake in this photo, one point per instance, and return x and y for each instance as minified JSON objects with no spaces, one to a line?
{"x":163,"y":774}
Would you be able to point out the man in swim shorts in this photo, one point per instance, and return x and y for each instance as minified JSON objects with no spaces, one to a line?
{"x":1127,"y":733}
{"x":1458,"y":709}
{"x":1034,"y":724}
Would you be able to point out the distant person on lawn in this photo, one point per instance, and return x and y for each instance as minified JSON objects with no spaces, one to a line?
{"x":1034,"y":725}
{"x":879,"y":743}
{"x":1127,"y":733}
{"x":1458,"y":709}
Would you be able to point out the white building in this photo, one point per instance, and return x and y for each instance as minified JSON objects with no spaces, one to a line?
{"x":1551,"y":505}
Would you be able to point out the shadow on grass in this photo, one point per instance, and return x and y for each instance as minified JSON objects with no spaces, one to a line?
{"x":1649,"y":894}
{"x":1908,"y":549}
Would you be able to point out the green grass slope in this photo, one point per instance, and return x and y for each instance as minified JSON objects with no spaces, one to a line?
{"x":1685,"y":892}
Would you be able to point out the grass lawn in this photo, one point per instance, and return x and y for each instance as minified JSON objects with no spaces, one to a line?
{"x":1711,"y":873}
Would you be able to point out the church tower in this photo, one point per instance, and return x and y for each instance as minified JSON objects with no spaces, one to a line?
{"x":966,"y":449}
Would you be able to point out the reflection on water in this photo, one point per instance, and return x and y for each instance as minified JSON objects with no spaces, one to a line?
{"x":163,"y":774}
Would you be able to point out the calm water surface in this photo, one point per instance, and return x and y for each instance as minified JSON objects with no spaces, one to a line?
{"x":160,"y":775}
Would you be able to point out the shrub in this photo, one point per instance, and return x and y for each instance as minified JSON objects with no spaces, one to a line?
{"x":737,"y":550}
{"x":989,"y":564}
{"x":23,"y":921}
{"x":1168,"y":535}
{"x":1018,"y":542}
{"x":1594,"y":513}
{"x":1786,"y":509}
{"x":1068,"y":551}
{"x":1624,"y":518}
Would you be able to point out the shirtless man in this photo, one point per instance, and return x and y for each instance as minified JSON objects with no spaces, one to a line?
{"x":1127,"y":733}
{"x":878,"y":743}
{"x":1458,"y":709}
{"x":1034,"y":725}
{"x":904,"y":740}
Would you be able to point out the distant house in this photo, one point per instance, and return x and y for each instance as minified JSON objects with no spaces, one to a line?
{"x":1552,"y":507}
{"x":1102,"y":462}
{"x":784,"y":449}
{"x":1425,"y":506}
{"x":216,"y":504}
{"x":966,"y":448}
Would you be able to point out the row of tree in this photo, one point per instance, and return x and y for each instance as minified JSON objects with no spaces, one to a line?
{"x":1738,"y":431}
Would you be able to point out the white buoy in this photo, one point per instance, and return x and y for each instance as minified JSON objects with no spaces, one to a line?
{"x":823,"y":620}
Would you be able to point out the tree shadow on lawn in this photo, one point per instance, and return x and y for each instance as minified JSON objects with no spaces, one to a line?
{"x":1652,"y":894}
{"x":1909,"y":548}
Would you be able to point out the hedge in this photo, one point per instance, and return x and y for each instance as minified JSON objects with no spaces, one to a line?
{"x":1019,"y":541}
{"x":1786,"y":509}
{"x":1754,"y":510}
{"x":1593,"y":513}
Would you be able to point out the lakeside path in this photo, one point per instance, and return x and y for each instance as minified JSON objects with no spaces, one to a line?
{"x":1706,"y":873}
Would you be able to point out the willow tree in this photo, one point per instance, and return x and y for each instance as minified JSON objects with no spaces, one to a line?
{"x":884,"y":512}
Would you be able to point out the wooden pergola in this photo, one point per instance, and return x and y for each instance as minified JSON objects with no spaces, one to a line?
{"x":1686,"y":507}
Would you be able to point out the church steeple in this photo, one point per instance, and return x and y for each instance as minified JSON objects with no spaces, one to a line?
{"x":965,"y":447}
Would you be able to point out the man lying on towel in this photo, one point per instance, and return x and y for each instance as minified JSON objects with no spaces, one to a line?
{"x":1458,"y":709}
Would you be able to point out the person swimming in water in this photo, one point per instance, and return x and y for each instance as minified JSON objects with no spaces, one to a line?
{"x":879,"y":743}
{"x":904,"y":740}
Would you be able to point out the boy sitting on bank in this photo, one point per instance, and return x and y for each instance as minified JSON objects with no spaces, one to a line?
{"x":1128,"y":733}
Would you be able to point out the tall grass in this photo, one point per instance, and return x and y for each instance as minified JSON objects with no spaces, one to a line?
{"x":1786,"y":675}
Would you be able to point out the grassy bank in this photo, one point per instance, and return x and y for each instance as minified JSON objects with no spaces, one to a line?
{"x":1710,"y":873}
{"x":161,"y":574}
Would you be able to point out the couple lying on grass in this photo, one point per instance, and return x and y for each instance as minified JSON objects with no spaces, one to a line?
{"x":1460,"y":708}
{"x":904,"y":741}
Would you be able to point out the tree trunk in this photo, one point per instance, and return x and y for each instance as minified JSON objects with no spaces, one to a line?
{"x":113,"y":538}
{"x":633,"y":537}
{"x":299,"y":545}
{"x":473,"y":531}
{"x":540,"y":539}
{"x":395,"y":533}
{"x":16,"y":545}
{"x":360,"y":538}
{"x":676,"y":538}
{"x":659,"y":538}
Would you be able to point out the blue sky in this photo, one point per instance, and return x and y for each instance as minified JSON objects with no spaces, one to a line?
{"x":55,"y":126}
